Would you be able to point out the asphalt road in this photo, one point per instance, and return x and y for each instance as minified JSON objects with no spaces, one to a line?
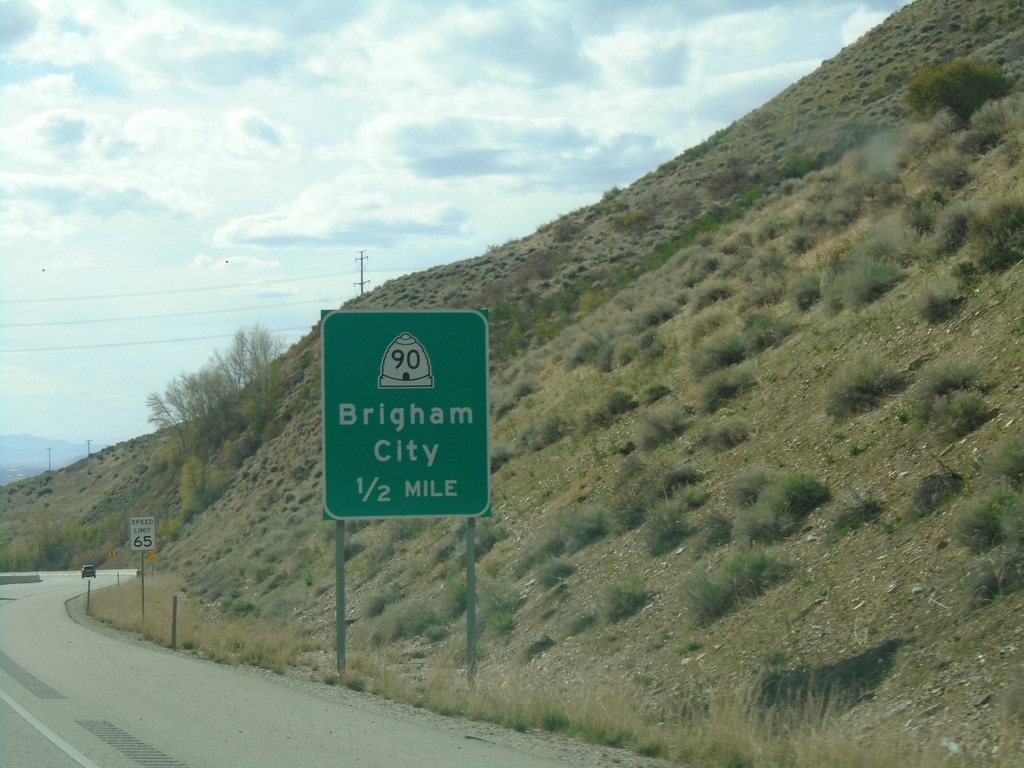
{"x":71,"y":695}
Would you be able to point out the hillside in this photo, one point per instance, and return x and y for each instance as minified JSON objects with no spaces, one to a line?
{"x":756,"y":426}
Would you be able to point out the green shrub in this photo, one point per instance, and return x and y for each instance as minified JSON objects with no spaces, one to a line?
{"x":1000,"y":572}
{"x":723,"y":386}
{"x":764,"y":330}
{"x":555,"y":571}
{"x":568,"y":531}
{"x":858,"y":508}
{"x":726,"y":434}
{"x":805,"y":291}
{"x":962,"y":86}
{"x":680,"y":475}
{"x":617,"y":403}
{"x":1001,"y":235}
{"x":405,"y":619}
{"x":654,"y":393}
{"x":989,"y":125}
{"x":710,"y":292}
{"x":543,"y":432}
{"x":722,"y":349}
{"x":749,"y":573}
{"x":499,"y":602}
{"x":952,"y":227}
{"x":859,"y":385}
{"x":940,"y":302}
{"x":624,"y":598}
{"x":377,"y":601}
{"x":865,"y":278}
{"x":1005,"y":462}
{"x":779,"y":506}
{"x":662,"y":425}
{"x":933,"y":491}
{"x":947,"y":170}
{"x":960,"y":413}
{"x":991,"y":520}
{"x":667,"y":526}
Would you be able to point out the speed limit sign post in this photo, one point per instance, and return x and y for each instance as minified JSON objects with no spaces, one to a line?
{"x":141,"y":539}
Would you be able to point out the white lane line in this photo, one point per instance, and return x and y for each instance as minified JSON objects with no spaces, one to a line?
{"x":70,"y":751}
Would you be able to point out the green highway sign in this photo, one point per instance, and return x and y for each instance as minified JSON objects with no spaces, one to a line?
{"x":405,"y":414}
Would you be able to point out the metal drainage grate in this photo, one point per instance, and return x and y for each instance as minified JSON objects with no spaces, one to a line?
{"x":126,"y":744}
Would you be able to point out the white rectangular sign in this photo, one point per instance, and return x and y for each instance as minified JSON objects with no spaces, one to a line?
{"x":142,"y":534}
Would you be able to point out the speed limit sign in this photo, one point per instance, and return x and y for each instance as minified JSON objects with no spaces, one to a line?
{"x":142,"y":534}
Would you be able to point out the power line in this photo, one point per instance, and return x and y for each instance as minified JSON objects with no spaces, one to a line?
{"x":162,"y":317}
{"x":171,"y":291}
{"x":143,"y":343}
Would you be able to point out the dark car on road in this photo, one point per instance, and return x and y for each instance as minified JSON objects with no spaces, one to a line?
{"x":88,"y":571}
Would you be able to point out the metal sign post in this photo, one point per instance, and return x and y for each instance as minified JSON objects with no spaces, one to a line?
{"x":405,"y":420}
{"x":142,"y":539}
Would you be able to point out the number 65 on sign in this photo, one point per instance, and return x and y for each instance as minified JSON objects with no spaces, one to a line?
{"x":142,"y":534}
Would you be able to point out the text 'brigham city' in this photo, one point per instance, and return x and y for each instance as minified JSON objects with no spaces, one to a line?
{"x":399,"y":417}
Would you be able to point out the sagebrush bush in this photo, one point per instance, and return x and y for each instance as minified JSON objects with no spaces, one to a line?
{"x":856,"y":509}
{"x":502,"y":454}
{"x":764,"y":330}
{"x":863,"y":279}
{"x":555,"y":571}
{"x":1000,"y":234}
{"x":595,"y":347}
{"x":960,"y":413}
{"x":780,"y":504}
{"x":543,"y":432}
{"x":933,"y":491}
{"x":988,"y":127}
{"x":566,"y":532}
{"x":710,"y":292}
{"x":615,"y":404}
{"x":805,"y":291}
{"x":947,"y":170}
{"x":999,"y":572}
{"x":993,"y":519}
{"x":726,"y":434}
{"x":940,"y":301}
{"x":749,"y":573}
{"x":375,"y":603}
{"x":661,"y":425}
{"x":952,"y":226}
{"x":499,"y":602}
{"x":624,"y":598}
{"x":943,"y":378}
{"x":1005,"y":462}
{"x":723,"y":386}
{"x":720,"y":350}
{"x":407,"y":618}
{"x":667,"y":525}
{"x":858,"y":386}
{"x":680,"y":475}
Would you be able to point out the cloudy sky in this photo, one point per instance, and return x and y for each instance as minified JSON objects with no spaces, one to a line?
{"x":171,"y":172}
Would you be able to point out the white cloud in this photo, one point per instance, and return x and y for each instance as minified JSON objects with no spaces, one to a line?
{"x":46,"y":91}
{"x":271,"y":138}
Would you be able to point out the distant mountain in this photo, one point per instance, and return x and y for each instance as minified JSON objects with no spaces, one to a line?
{"x":27,"y":455}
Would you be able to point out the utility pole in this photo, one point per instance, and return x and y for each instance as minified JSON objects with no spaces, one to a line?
{"x":361,"y":258}
{"x":49,"y":459}
{"x":88,"y":448}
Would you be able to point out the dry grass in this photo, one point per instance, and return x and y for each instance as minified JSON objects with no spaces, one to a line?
{"x":228,"y":640}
